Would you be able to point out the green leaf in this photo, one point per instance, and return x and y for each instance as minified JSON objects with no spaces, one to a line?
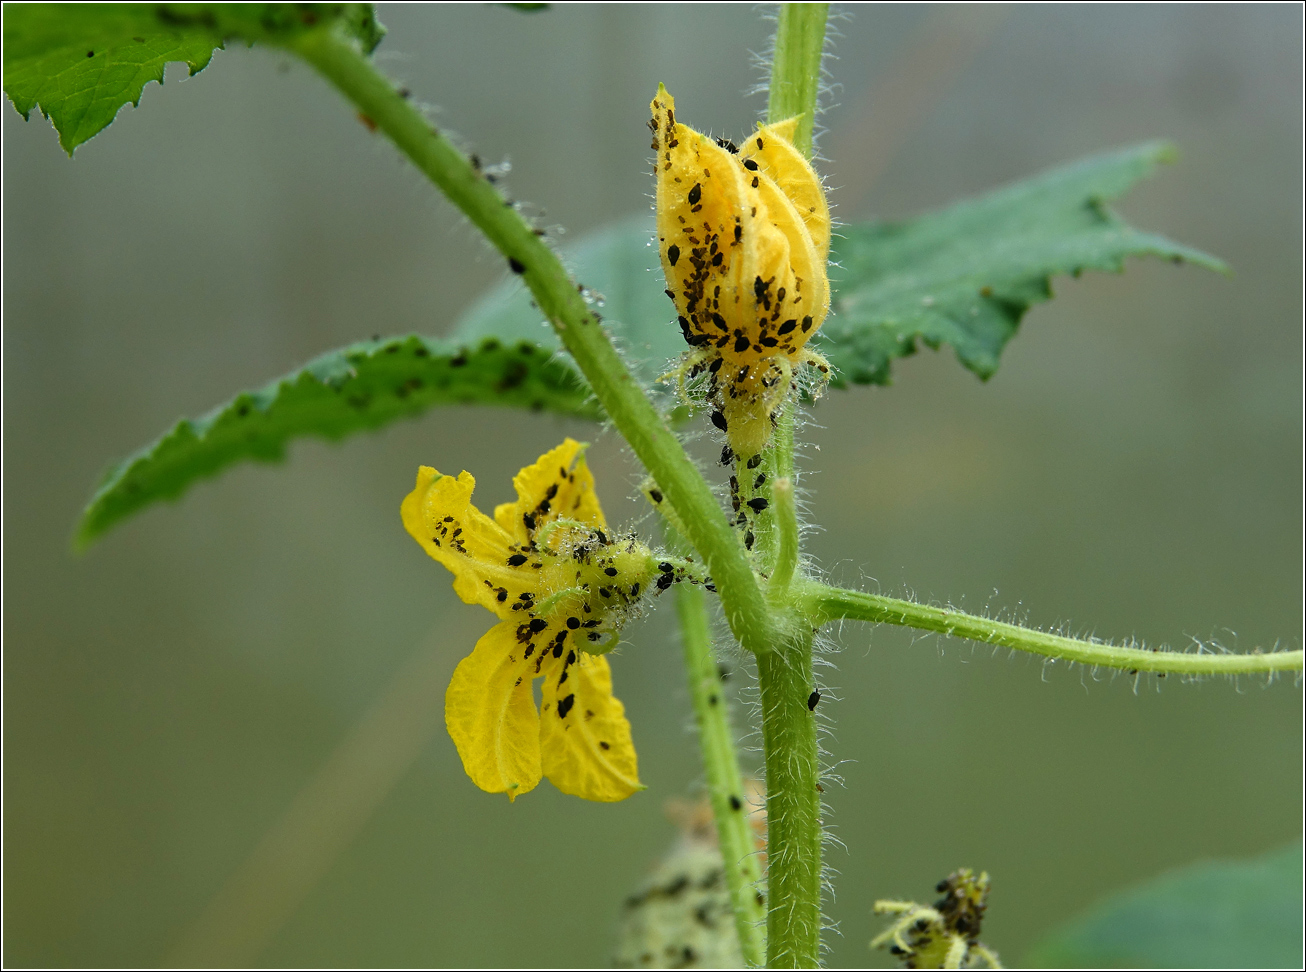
{"x":80,"y":63}
{"x":966,"y":275}
{"x":80,"y":86}
{"x":363,"y":386}
{"x":1227,"y":915}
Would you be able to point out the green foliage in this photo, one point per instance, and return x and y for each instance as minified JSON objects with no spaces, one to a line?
{"x":363,"y":386}
{"x":966,"y":275}
{"x":1225,"y":915}
{"x":80,"y":85}
{"x":80,"y":63}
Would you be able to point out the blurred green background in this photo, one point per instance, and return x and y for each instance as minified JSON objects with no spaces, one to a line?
{"x":197,"y":685}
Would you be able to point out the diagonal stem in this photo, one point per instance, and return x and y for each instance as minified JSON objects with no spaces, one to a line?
{"x":341,"y":62}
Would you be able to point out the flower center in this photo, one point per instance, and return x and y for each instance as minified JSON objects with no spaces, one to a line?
{"x":592,"y":583}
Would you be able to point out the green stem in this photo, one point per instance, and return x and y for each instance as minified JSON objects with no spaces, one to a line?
{"x":793,"y":807}
{"x":786,"y":528}
{"x":724,"y":781}
{"x":793,"y":803}
{"x":796,"y":68}
{"x":822,"y":604}
{"x":778,"y":463}
{"x":339,"y":60}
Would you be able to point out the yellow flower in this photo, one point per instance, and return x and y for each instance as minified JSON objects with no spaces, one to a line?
{"x":744,"y":236}
{"x":562,"y":587}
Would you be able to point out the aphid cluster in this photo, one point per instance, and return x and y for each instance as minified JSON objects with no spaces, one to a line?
{"x":945,"y":936}
{"x":568,"y":578}
{"x":744,"y":235}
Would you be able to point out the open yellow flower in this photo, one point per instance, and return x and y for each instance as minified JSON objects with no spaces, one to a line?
{"x":561,"y":587}
{"x":744,"y":236}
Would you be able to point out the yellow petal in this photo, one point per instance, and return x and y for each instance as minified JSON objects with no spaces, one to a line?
{"x":584,"y":736}
{"x":785,"y":166}
{"x":747,"y":276}
{"x":558,"y":484}
{"x":505,"y":514}
{"x":796,"y":202}
{"x":797,"y":298}
{"x":488,"y":568}
{"x":491,"y":715}
{"x":707,"y":221}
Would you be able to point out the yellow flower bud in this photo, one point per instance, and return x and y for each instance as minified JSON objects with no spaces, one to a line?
{"x":744,"y":237}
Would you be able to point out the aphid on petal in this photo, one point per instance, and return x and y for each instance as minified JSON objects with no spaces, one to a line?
{"x":744,"y":239}
{"x":561,"y":585}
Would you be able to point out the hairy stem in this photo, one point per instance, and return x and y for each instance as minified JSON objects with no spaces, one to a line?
{"x":793,"y":803}
{"x":786,"y":528}
{"x":793,"y":807}
{"x":778,"y":464}
{"x":796,"y":68}
{"x":342,"y":63}
{"x":822,"y":604}
{"x":724,"y":781}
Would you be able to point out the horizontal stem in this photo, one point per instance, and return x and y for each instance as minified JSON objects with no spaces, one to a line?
{"x":559,"y":299}
{"x":823,"y":604}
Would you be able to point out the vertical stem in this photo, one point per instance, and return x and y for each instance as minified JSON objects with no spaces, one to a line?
{"x":793,"y":802}
{"x":724,"y":781}
{"x":777,"y":527}
{"x":796,"y":68}
{"x":786,"y":552}
{"x":793,"y":807}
